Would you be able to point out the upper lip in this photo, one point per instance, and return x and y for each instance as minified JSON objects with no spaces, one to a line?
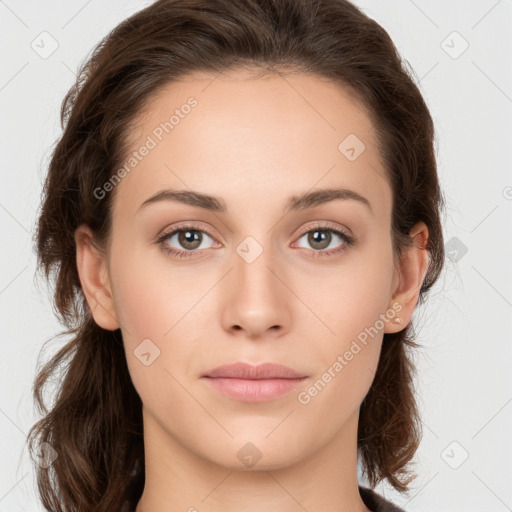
{"x":261,"y":371}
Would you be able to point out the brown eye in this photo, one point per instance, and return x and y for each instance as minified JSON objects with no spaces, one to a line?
{"x":189,"y":239}
{"x":325,"y":240}
{"x":319,"y":239}
{"x":184,"y":241}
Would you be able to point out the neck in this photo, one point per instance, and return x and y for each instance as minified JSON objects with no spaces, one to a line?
{"x":178,"y":479}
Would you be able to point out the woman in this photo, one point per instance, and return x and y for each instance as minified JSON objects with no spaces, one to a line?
{"x":241,"y":215}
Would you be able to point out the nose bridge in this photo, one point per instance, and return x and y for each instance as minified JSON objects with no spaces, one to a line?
{"x":256,"y":300}
{"x":253,"y":262}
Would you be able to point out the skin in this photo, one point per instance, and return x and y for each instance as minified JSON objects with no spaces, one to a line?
{"x":253,"y":141}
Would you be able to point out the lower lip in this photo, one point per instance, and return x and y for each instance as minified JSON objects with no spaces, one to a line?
{"x":252,"y":390}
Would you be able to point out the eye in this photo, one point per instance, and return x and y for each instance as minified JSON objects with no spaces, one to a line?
{"x":323,"y":236}
{"x":188,"y":238}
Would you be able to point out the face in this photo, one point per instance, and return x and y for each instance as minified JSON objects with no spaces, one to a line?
{"x":259,"y":273}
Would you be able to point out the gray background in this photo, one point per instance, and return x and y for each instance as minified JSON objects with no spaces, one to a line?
{"x":464,"y":384}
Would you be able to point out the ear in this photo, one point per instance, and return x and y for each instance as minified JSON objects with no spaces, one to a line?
{"x":409,"y":278}
{"x":93,"y":273}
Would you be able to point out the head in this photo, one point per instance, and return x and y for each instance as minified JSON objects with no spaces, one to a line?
{"x":254,"y":127}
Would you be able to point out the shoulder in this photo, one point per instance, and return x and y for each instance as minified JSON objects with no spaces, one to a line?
{"x":375,"y":502}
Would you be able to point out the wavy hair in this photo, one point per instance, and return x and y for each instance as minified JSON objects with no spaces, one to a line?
{"x":94,"y":421}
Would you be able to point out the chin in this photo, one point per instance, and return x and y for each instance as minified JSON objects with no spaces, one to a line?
{"x":256,"y":452}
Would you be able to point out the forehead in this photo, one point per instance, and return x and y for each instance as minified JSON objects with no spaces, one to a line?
{"x":243,"y":135}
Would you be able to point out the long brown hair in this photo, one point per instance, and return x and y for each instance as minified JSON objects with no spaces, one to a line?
{"x":94,"y":422}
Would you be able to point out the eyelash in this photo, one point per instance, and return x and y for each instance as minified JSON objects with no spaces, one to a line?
{"x":348,"y":240}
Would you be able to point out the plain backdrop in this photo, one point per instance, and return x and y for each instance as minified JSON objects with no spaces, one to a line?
{"x":461,"y":53}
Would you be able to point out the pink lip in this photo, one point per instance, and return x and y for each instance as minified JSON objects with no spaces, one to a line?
{"x":261,"y":371}
{"x":248,"y":383}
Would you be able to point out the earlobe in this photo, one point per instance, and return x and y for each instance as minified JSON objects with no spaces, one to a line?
{"x":411,"y":274}
{"x":93,"y":273}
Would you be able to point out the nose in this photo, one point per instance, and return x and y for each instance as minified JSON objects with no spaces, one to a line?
{"x":256,"y":300}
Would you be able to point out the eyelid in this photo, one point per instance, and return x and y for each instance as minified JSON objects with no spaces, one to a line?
{"x":183,"y":225}
{"x":327,"y":225}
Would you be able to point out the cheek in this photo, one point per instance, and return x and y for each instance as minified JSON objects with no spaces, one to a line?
{"x":347,"y":356}
{"x":163,"y":312}
{"x":151,"y":295}
{"x":352,"y":306}
{"x":351,"y":296}
{"x":152,"y":308}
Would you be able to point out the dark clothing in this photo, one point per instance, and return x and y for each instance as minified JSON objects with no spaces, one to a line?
{"x":375,"y":502}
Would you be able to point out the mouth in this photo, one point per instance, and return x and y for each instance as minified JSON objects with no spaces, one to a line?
{"x":247,"y":383}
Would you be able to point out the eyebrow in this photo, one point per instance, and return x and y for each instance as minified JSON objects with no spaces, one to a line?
{"x":295,"y":203}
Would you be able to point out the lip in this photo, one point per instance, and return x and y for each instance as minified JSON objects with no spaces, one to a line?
{"x":248,"y":383}
{"x":248,"y":371}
